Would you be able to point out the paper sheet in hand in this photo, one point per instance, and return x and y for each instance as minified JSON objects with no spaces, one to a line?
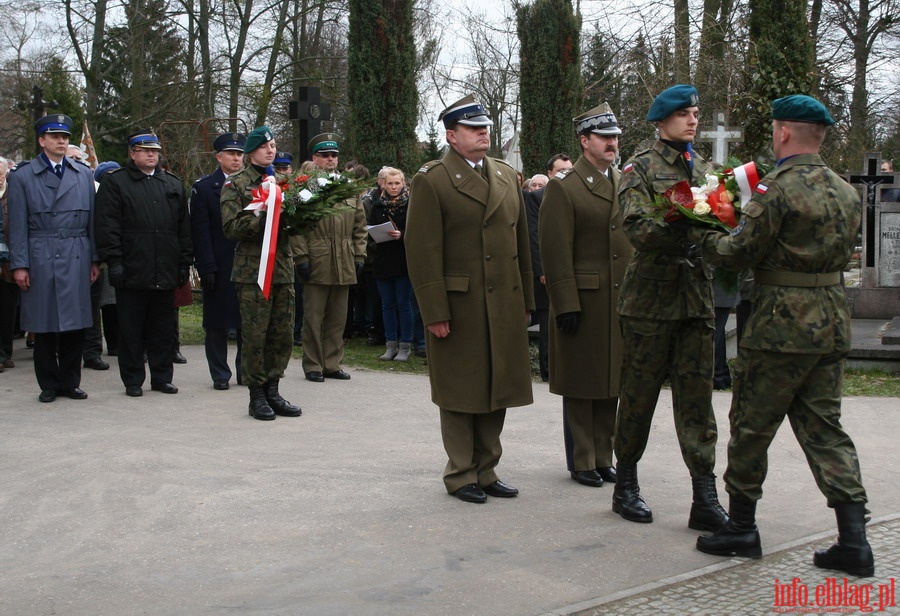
{"x":379,"y":233}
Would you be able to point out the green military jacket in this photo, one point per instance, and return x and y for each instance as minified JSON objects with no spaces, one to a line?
{"x":248,"y":228}
{"x":584,"y":253}
{"x":469,"y":259}
{"x":661,"y":282}
{"x":334,"y":245}
{"x":804,"y":219}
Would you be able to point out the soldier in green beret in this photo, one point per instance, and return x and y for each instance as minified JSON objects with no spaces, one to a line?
{"x":667,"y":317}
{"x":797,"y":233}
{"x":267,"y":324}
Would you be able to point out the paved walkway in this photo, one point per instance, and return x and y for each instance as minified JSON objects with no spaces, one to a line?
{"x":185,"y":505}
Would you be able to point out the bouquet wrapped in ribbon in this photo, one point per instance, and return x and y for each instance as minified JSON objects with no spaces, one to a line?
{"x":717,"y":203}
{"x":296,"y":205}
{"x":307,"y":199}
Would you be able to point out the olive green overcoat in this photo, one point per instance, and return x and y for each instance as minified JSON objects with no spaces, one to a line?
{"x":469,"y":261}
{"x":584,"y":252}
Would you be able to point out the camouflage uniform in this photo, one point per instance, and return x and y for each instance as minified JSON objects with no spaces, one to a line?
{"x":268,"y":325}
{"x":666,"y":315}
{"x":797,"y":233}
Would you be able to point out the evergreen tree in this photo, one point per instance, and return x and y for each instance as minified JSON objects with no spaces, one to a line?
{"x":381,"y":84}
{"x":146,"y":88}
{"x":550,"y":88}
{"x":58,"y":86}
{"x":781,"y":63}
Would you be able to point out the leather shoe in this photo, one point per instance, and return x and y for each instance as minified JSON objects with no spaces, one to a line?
{"x":134,"y":391}
{"x":221,"y":385}
{"x":499,"y":489}
{"x":315,"y":376}
{"x":166,"y":388}
{"x":95,"y":363}
{"x":608,"y":474}
{"x":339,"y":375}
{"x":589,"y":478}
{"x":76,"y":393}
{"x":471,"y":494}
{"x":47,"y":395}
{"x":178,"y":358}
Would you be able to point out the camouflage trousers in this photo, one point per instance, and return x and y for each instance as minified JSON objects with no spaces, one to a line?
{"x":807,"y":389}
{"x":681,"y":350}
{"x":267,"y":332}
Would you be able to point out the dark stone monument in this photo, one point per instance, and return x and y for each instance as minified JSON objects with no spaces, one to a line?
{"x":310,"y":111}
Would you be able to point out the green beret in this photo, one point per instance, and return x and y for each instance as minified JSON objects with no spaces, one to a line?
{"x":671,"y":100}
{"x":801,"y":108}
{"x":257,"y":137}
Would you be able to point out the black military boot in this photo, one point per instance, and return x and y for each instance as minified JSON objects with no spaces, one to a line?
{"x":280,"y":405}
{"x":706,"y":512}
{"x":627,"y":501}
{"x":739,"y":536}
{"x":259,"y":408}
{"x":852,"y":552}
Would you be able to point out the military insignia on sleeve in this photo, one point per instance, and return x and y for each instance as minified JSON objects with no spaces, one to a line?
{"x":423,"y":170}
{"x":227,"y":183}
{"x":739,"y":228}
{"x":761,"y":188}
{"x":628,"y":168}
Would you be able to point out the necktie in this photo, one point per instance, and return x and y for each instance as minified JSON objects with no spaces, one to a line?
{"x":479,"y":170}
{"x":58,"y":170}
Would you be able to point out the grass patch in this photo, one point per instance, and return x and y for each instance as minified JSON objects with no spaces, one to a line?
{"x":861,"y":383}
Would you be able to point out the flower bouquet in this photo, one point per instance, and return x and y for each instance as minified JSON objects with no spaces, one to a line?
{"x":307,"y":199}
{"x":716,"y":203}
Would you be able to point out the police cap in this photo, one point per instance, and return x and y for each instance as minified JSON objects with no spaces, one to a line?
{"x":144,"y":139}
{"x":54,"y":123}
{"x":229,"y":142}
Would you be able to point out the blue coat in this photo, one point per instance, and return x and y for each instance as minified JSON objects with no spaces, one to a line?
{"x":51,"y":232}
{"x":213,"y":252}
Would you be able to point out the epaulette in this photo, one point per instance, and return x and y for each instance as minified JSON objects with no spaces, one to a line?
{"x":116,"y":170}
{"x":173,"y":175}
{"x":562,"y":173}
{"x":200,"y":179}
{"x":502,"y":160}
{"x":429,"y":166}
{"x":80,"y":162}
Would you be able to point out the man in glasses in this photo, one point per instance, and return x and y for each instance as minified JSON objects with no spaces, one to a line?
{"x":330,"y":258}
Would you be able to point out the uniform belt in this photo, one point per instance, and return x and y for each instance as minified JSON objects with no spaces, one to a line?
{"x":796,"y":279}
{"x":60,"y":233}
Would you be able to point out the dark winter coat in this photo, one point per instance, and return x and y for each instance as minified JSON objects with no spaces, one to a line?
{"x":142,"y":222}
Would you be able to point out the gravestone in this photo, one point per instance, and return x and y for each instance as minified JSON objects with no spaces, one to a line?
{"x":720,"y":137}
{"x":310,"y":111}
{"x":878,"y":293}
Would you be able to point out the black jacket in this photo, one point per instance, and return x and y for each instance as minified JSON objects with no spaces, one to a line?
{"x":142,"y":222}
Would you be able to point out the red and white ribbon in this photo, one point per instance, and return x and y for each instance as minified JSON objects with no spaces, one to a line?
{"x":747,"y":178}
{"x":267,"y":198}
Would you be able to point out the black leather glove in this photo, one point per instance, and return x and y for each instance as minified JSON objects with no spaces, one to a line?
{"x":302,"y":271}
{"x":567,"y":322}
{"x":182,"y":276}
{"x":116,"y":273}
{"x":208,"y":281}
{"x":359,"y":268}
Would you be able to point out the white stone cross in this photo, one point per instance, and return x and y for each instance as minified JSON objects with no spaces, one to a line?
{"x":721,"y":137}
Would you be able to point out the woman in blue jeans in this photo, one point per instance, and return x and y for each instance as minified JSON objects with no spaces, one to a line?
{"x":389,"y":265}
